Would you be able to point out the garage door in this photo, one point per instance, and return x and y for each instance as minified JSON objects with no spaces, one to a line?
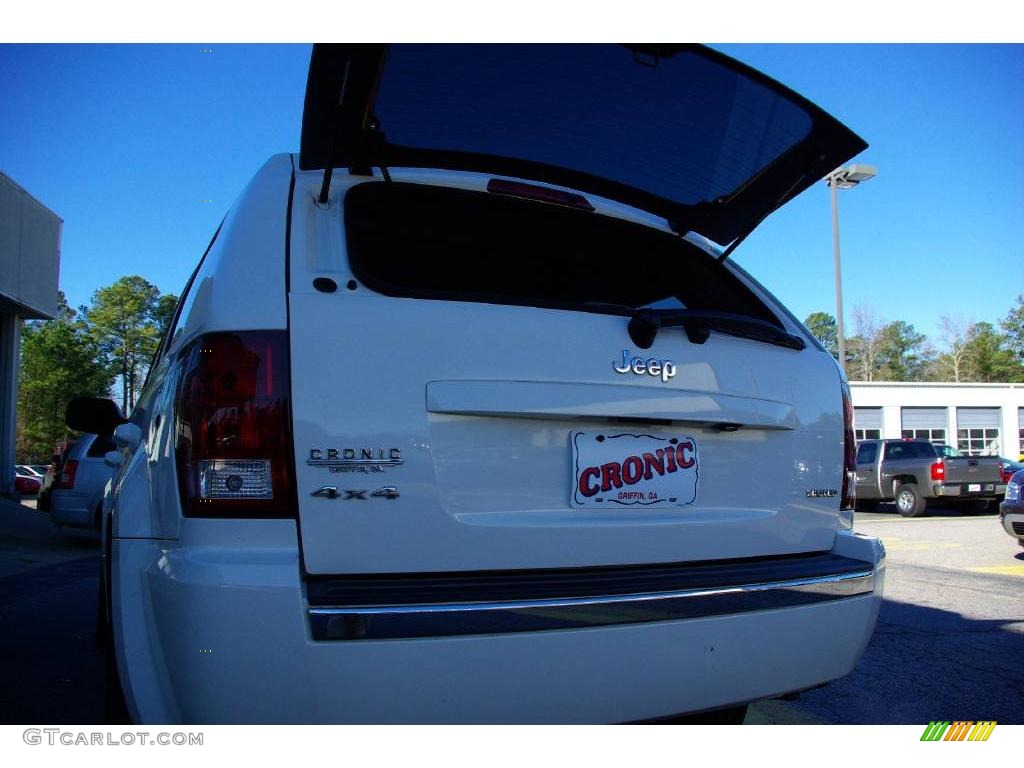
{"x":977,"y":431}
{"x":867,"y":423}
{"x":1020,"y":432}
{"x":924,"y":423}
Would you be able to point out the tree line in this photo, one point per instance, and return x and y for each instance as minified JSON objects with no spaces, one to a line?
{"x":103,"y":350}
{"x":895,"y":351}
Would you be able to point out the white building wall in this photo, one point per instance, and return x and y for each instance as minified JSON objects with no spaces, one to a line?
{"x":892,"y":396}
{"x":29,"y":267}
{"x":891,"y":418}
{"x":29,"y":253}
{"x":8,"y":398}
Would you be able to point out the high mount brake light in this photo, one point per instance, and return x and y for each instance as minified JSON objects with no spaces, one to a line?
{"x":233,"y":427}
{"x":535,"y":192}
{"x":938,"y":470}
{"x":848,"y":498}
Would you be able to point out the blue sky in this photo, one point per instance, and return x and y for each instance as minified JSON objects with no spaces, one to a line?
{"x":126,"y":143}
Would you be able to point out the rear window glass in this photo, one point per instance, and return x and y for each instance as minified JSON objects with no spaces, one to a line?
{"x":442,"y":243}
{"x":909,"y":450}
{"x":101,"y":446}
{"x":919,"y":450}
{"x":896,"y":451}
{"x":682,"y":126}
{"x":866,"y":453}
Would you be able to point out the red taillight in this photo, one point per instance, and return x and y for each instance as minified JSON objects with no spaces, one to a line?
{"x":233,"y":427}
{"x":848,"y":497}
{"x":938,"y":470}
{"x":535,"y":192}
{"x":1005,"y":473}
{"x":67,"y":474}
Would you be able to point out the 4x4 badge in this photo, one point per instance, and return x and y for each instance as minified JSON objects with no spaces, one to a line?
{"x":332,"y":492}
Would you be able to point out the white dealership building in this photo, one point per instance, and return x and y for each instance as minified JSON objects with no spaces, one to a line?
{"x":29,"y":265}
{"x":972,"y":417}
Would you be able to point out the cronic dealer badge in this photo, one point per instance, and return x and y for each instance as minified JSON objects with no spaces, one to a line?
{"x":355,"y":459}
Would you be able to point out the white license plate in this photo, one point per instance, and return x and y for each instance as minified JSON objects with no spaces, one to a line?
{"x":612,"y":469}
{"x":974,"y":488}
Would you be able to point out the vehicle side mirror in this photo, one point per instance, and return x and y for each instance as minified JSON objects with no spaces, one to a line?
{"x":113,"y":459}
{"x":93,"y":414}
{"x":128,"y":436}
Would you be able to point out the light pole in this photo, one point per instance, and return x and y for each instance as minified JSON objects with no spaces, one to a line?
{"x":846,"y":177}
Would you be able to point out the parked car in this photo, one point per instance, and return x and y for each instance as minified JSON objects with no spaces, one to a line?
{"x":75,"y":495}
{"x":51,"y":476}
{"x":1006,"y":466}
{"x":914,"y":472}
{"x":31,"y":470}
{"x":446,"y":425}
{"x":1009,"y":467}
{"x":1011,"y":511}
{"x":25,"y":483}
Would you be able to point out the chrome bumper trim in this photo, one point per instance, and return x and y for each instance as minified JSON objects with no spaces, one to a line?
{"x":386,"y":622}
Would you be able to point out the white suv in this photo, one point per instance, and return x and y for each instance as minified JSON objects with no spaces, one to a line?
{"x":73,"y":488}
{"x":465,"y":417}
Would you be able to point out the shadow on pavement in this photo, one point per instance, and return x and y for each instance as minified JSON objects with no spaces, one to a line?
{"x":888,"y":509}
{"x":49,"y":579}
{"x":926,"y":664}
{"x":52,"y":670}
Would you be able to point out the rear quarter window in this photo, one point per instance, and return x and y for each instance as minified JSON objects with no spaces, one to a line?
{"x":866,"y":453}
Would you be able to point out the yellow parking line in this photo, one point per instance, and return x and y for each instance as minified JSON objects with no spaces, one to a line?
{"x":1002,"y":570}
{"x":899,"y":519}
{"x":894,"y":543}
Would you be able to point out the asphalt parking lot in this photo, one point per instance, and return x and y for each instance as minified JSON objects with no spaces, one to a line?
{"x":949,"y":632}
{"x":948,"y":644}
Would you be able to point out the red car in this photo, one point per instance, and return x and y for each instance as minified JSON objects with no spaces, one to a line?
{"x":25,"y":483}
{"x":1009,"y":467}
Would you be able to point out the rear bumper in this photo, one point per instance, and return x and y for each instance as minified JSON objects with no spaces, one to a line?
{"x":217,"y":635}
{"x":963,"y":490}
{"x":389,"y":608}
{"x":70,"y":508}
{"x":1012,"y":518}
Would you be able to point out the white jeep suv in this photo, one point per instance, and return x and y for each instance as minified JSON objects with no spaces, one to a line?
{"x":466,"y":415}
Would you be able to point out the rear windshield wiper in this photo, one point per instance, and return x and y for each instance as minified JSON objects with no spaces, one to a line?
{"x":698,"y":324}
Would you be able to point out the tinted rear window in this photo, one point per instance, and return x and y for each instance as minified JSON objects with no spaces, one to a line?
{"x":442,"y":243}
{"x":909,"y":450}
{"x":896,"y":451}
{"x":100,"y":446}
{"x":684,"y":127}
{"x":866,"y":453}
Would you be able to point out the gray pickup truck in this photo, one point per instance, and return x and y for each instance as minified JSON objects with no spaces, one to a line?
{"x":914,"y":472}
